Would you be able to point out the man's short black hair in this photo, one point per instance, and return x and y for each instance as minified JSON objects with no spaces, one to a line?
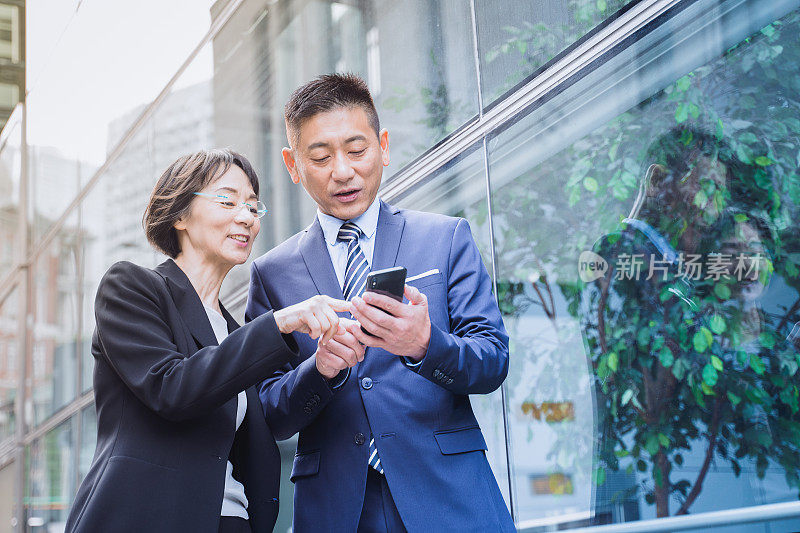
{"x":325,"y":93}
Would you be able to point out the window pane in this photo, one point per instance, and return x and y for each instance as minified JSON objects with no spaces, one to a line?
{"x":100,"y":83}
{"x":517,"y":38}
{"x":52,"y":370}
{"x":50,"y":479}
{"x":8,"y":481}
{"x":412,"y":55}
{"x":10,"y":159}
{"x":639,"y":387}
{"x":88,"y":440}
{"x":9,"y":362}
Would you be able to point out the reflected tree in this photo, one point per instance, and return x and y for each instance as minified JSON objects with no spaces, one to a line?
{"x":704,"y":366}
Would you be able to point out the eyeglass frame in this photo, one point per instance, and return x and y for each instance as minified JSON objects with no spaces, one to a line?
{"x":258,"y":214}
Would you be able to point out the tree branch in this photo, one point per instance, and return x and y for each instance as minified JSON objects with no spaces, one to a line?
{"x":785,"y":318}
{"x":712,"y":443}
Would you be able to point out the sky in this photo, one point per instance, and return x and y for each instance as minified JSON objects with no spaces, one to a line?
{"x":91,"y":61}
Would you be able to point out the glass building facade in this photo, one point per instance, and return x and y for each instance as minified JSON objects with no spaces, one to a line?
{"x":629,"y":170}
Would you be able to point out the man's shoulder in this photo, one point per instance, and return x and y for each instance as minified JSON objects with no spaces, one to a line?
{"x":426,"y":219}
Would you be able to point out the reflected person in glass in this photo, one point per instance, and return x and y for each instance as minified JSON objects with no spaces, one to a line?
{"x":640,"y":319}
{"x":688,"y":366}
{"x":182,"y":442}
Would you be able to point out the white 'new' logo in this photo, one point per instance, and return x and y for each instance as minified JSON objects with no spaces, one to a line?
{"x":591,"y":266}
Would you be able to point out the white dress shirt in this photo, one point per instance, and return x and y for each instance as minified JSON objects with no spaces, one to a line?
{"x":234,"y":502}
{"x":367,"y":221}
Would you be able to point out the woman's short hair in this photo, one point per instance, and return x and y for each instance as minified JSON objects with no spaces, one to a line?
{"x":173,"y":194}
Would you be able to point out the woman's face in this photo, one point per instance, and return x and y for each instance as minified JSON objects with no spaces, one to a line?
{"x":218,"y":234}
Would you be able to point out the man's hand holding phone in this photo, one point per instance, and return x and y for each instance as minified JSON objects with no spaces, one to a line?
{"x":341,"y":351}
{"x":398,"y":328}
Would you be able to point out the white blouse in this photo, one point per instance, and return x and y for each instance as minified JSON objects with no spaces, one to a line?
{"x":234,"y":502}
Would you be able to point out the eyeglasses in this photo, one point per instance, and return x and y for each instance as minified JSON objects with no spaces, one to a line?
{"x":258,"y":209}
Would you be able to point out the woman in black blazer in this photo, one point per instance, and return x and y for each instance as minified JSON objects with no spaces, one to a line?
{"x":182,"y":442}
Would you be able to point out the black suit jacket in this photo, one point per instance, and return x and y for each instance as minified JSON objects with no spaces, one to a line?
{"x":166,"y":409}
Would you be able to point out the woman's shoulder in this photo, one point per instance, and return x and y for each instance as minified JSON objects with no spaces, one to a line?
{"x":123,"y":277}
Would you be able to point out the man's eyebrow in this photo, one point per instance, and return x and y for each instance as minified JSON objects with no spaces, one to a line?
{"x":321,"y":144}
{"x":234,"y":191}
{"x":318,"y":145}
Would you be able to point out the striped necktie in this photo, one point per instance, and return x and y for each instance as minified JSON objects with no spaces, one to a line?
{"x":355,"y":277}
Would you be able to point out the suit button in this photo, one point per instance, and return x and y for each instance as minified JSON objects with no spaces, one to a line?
{"x":366,"y":383}
{"x":360,"y":439}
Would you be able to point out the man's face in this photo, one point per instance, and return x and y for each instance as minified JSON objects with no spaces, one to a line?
{"x":339,"y":159}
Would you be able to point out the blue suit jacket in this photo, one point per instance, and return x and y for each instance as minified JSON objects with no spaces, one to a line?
{"x":428,"y":439}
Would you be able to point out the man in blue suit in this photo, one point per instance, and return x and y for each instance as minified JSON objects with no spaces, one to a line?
{"x":388,"y":440}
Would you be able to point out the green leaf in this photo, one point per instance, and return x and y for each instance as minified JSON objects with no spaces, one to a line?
{"x":708,"y":391}
{"x":734,"y":398}
{"x":601,"y":5}
{"x":699,"y":342}
{"x":613,"y":361}
{"x":716,"y":362}
{"x":626,"y":396}
{"x":681,"y":113}
{"x":720,"y":133}
{"x":599,"y":476}
{"x":748,"y":137}
{"x":590,"y":184}
{"x":643,"y":337}
{"x":769,"y":31}
{"x":652,"y":444}
{"x":767,"y":340}
{"x":679,"y":369}
{"x":709,"y":336}
{"x":666,"y":357}
{"x":683,"y":83}
{"x":722,"y":291}
{"x":763,"y":161}
{"x":757,"y":364}
{"x":717,"y":324}
{"x":663,"y":440}
{"x":710,"y":375}
{"x":700,"y":199}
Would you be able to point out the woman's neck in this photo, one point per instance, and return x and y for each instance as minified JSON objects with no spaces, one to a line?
{"x":205,"y":277}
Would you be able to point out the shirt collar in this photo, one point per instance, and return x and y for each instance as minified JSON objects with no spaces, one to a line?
{"x":367,"y":221}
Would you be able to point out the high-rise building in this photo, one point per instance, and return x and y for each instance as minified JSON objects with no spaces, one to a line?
{"x":12,"y":56}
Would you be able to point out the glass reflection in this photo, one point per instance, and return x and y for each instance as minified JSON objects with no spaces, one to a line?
{"x":68,"y":142}
{"x":9,"y":362}
{"x":50,"y":479}
{"x":88,"y":440}
{"x":52,"y":366}
{"x":517,"y":38}
{"x":10,"y":168}
{"x":646,"y":251}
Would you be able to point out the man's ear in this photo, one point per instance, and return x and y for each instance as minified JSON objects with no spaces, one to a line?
{"x":655,"y":176}
{"x":291,"y":164}
{"x":383,"y":139}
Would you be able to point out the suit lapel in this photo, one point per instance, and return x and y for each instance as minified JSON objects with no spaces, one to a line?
{"x":387,"y":237}
{"x":188,"y":303}
{"x":232,"y":324}
{"x":318,"y":261}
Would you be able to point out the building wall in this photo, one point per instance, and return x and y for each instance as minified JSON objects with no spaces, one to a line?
{"x":537,"y":122}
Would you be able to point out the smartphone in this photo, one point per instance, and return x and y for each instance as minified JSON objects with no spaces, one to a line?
{"x":389,"y":282}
